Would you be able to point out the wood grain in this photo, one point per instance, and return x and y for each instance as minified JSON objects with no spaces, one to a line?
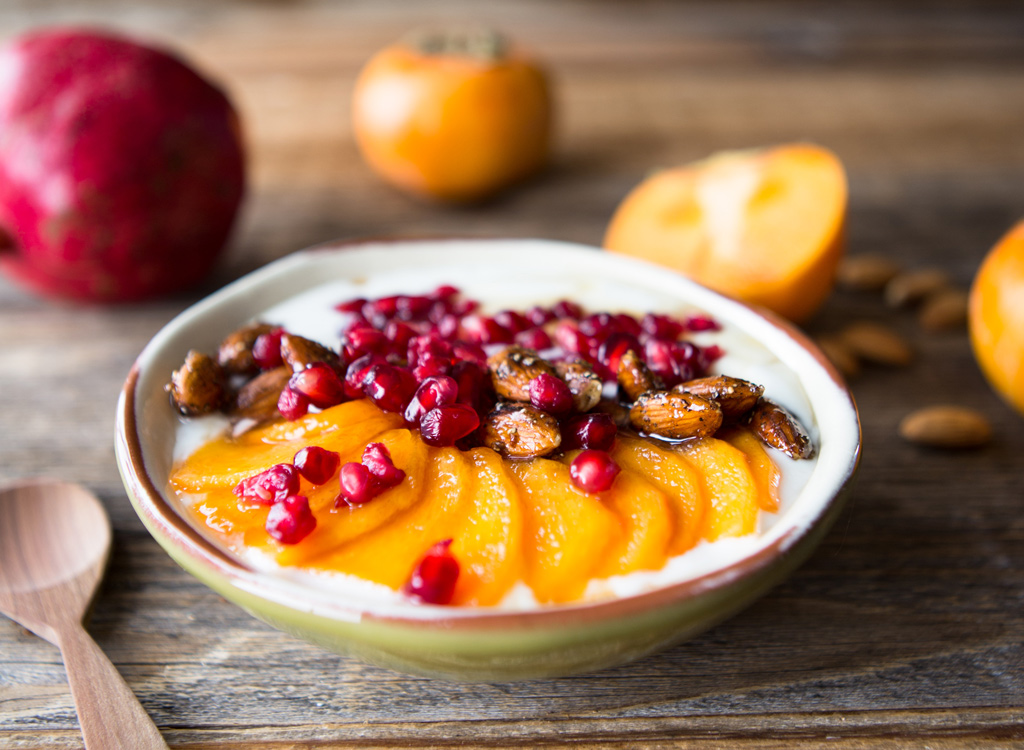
{"x":903,"y":630}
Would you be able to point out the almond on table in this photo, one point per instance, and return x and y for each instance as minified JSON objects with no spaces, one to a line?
{"x":432,"y":454}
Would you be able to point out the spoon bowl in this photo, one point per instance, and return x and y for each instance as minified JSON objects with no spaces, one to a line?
{"x":54,"y":545}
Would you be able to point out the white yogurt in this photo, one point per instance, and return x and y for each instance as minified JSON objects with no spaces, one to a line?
{"x":313,"y":316}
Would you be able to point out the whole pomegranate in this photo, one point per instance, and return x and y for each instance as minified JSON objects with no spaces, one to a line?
{"x":121,"y":168}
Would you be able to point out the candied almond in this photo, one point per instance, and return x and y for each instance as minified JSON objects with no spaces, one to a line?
{"x":257,"y":399}
{"x":946,"y":426}
{"x":521,"y":431}
{"x":910,"y":287}
{"x":878,"y":344}
{"x":513,"y":368}
{"x":780,"y":429}
{"x":675,"y":415}
{"x":235,"y":352}
{"x":840,"y":355}
{"x":735,"y":396}
{"x":584,"y":384}
{"x":866,"y":273}
{"x":634,"y":376}
{"x":299,"y":353}
{"x":199,"y":386}
{"x":944,"y":310}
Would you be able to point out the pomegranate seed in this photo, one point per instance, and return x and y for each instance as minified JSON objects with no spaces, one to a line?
{"x":566,"y":309}
{"x":316,"y":464}
{"x":269,"y":486}
{"x":661,"y":326}
{"x":571,"y":339}
{"x":473,"y":384}
{"x":446,"y":424}
{"x":479,"y":329}
{"x":593,"y":471}
{"x":435,"y":391}
{"x":351,"y":306}
{"x":439,"y":310}
{"x":377,"y":459}
{"x":445,"y":292}
{"x":431,"y":366}
{"x":469,"y":353}
{"x":448,"y":326}
{"x":660,"y":358}
{"x":320,"y":384}
{"x":550,"y":393}
{"x":702,"y":323}
{"x":356,"y":373}
{"x":356,"y":323}
{"x":614,"y":347}
{"x":358,"y":485}
{"x":464,"y":307}
{"x":413,"y":307}
{"x":292,"y":404}
{"x":589,"y":431}
{"x":399,"y":334}
{"x":627,"y":324}
{"x":364,"y":341}
{"x":427,"y":344}
{"x":389,"y":387}
{"x":290,"y":521}
{"x":434,"y":578}
{"x":706,"y":357}
{"x":534,"y":338}
{"x":266,"y":349}
{"x":512,"y":321}
{"x":539,"y":315}
{"x":598,"y":324}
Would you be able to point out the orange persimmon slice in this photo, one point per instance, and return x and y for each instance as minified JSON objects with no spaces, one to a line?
{"x":767,"y":476}
{"x":765,"y":226}
{"x":729,"y":486}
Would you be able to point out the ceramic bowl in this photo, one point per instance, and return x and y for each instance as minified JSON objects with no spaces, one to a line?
{"x":482,"y":643}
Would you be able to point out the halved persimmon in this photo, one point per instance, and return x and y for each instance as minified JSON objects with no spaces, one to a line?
{"x":765,"y":226}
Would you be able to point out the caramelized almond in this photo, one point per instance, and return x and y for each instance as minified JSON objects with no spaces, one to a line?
{"x":199,"y":386}
{"x":675,"y":415}
{"x":584,"y":384}
{"x":878,"y":344}
{"x":780,"y":429}
{"x":513,"y":368}
{"x":235,"y":352}
{"x":257,"y":399}
{"x":946,"y":426}
{"x":521,"y":431}
{"x":299,"y":353}
{"x":735,"y":397}
{"x":635,"y":378}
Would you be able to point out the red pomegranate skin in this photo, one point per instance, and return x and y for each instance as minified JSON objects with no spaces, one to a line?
{"x":121,"y":168}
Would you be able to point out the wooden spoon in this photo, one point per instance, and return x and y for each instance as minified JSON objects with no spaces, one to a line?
{"x":54,"y":545}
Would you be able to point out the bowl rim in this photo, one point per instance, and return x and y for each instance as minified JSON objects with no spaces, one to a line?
{"x":158,"y":513}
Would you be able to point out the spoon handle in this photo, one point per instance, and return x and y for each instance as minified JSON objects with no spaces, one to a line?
{"x":110,"y":715}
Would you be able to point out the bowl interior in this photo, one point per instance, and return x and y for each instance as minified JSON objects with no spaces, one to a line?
{"x":504,"y":273}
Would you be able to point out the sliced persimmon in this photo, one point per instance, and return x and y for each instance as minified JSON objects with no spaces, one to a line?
{"x":646,"y":520}
{"x":567,"y":531}
{"x":767,"y":476}
{"x":674,"y":476}
{"x":765,"y":226}
{"x":729,"y":486}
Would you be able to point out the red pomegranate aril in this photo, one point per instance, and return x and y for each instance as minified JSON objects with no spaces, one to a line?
{"x":550,"y":393}
{"x":269,"y":486}
{"x":627,"y":324}
{"x":538,"y":316}
{"x":266,"y":349}
{"x":320,"y":384}
{"x":438,"y":390}
{"x":290,"y":521}
{"x":567,"y":309}
{"x":512,"y":321}
{"x":473,"y":384}
{"x":389,"y":387}
{"x":598,"y":324}
{"x":426,"y":344}
{"x":448,"y":326}
{"x":351,"y":306}
{"x":445,"y":424}
{"x":660,"y":359}
{"x":413,"y":307}
{"x":292,"y":404}
{"x":431,"y":366}
{"x":434,"y":578}
{"x":464,"y":352}
{"x":463,"y":307}
{"x":571,"y":339}
{"x":661,"y":326}
{"x":399,"y":334}
{"x":445,"y":292}
{"x":479,"y":329}
{"x":357,"y":484}
{"x":698,"y":323}
{"x":357,"y":371}
{"x":589,"y":431}
{"x":377,"y":459}
{"x":614,"y":347}
{"x":593,"y":471}
{"x":316,"y":464}
{"x":534,"y":338}
{"x":362,"y":341}
{"x":707,"y":356}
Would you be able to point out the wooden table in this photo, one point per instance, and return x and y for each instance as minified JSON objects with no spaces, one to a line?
{"x":905,"y":629}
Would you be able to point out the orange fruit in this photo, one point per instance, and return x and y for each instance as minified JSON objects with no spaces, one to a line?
{"x":996,"y":317}
{"x":765,"y":226}
{"x":452,"y":117}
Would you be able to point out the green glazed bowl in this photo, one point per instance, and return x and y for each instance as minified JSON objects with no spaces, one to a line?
{"x":484,"y":643}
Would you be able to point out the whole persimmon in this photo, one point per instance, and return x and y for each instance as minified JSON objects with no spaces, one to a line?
{"x":765,"y":226}
{"x":996,"y":317}
{"x":453,"y":116}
